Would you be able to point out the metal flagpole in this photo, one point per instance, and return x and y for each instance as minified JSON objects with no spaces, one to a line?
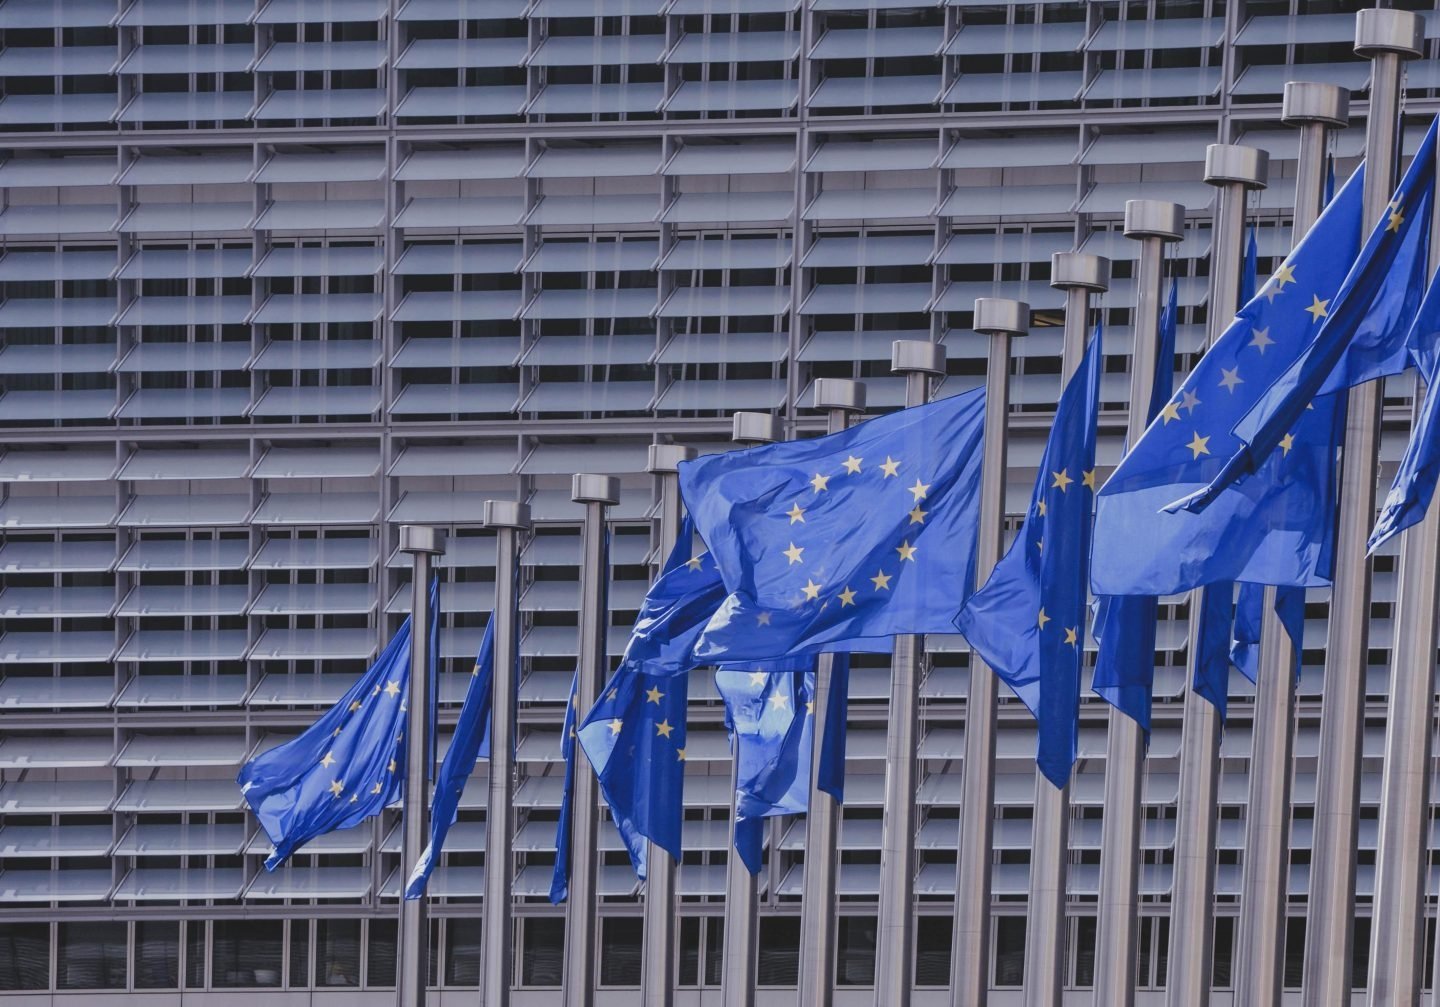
{"x":1397,"y":922}
{"x":741,"y":887}
{"x":1078,"y":275}
{"x":596,"y":493}
{"x":841,"y":398}
{"x":1233,"y":169}
{"x":657,"y":986}
{"x":1001,"y":320}
{"x":1265,"y":869}
{"x":1388,"y":37}
{"x":412,"y":966}
{"x":510,"y":521}
{"x":1152,"y":223}
{"x":920,"y":361}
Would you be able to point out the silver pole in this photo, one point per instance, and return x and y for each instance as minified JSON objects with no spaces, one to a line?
{"x":596,"y":493}
{"x":1152,"y":223}
{"x":510,"y":521}
{"x":920,"y":362}
{"x":840,"y":398}
{"x":412,"y":966}
{"x":1388,"y":37}
{"x":1001,"y":320}
{"x":1233,"y":170}
{"x":657,"y":985}
{"x":1265,"y":869}
{"x":741,"y":887}
{"x":1397,"y":924}
{"x":1078,"y":275}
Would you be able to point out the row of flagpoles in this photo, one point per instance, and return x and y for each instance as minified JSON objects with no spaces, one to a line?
{"x":372,"y":710}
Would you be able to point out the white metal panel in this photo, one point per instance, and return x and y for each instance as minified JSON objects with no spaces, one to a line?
{"x":708,"y":302}
{"x":67,"y":692}
{"x":176,"y":840}
{"x":212,"y":462}
{"x":329,"y":400}
{"x":168,"y":263}
{"x":448,"y":214}
{"x":290,"y":57}
{"x":19,"y":465}
{"x":598,"y":50}
{"x":57,"y":512}
{"x":187,"y":106}
{"x":848,"y":204}
{"x":204,"y":509}
{"x":725,"y":347}
{"x":588,"y":397}
{"x":330,"y":460}
{"x":185,"y":554}
{"x":343,"y":164}
{"x":170,"y":600}
{"x":596,"y":161}
{"x":62,"y":556}
{"x":598,"y":256}
{"x":731,"y":207}
{"x":150,"y":645}
{"x":202,"y":749}
{"x":476,"y":459}
{"x":442,"y":306}
{"x":597,"y":99}
{"x":431,"y":53}
{"x":328,"y":11}
{"x":144,"y":13}
{"x":296,"y":882}
{"x":57,"y":602}
{"x":186,"y":217}
{"x":326,"y":260}
{"x":50,"y":751}
{"x":350,"y":103}
{"x":483,"y":352}
{"x":750,"y":157}
{"x":489,"y":257}
{"x":187,"y":59}
{"x":317,"y":508}
{"x":1014,"y":88}
{"x":56,"y":886}
{"x":164,"y":884}
{"x":322,"y":214}
{"x":453,"y":102}
{"x":28,"y":109}
{"x":57,"y":265}
{"x":319,"y":355}
{"x":427,"y":399}
{"x":736,"y":47}
{"x":149,"y":691}
{"x":54,"y":172}
{"x":44,"y":841}
{"x":590,"y":211}
{"x":310,"y":599}
{"x":587,"y":351}
{"x":188,"y":311}
{"x":300,"y":309}
{"x":314,"y":645}
{"x":316,"y":554}
{"x":497,"y":160}
{"x":876,"y":155}
{"x":845,"y":92}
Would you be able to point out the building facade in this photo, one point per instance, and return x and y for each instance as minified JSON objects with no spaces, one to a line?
{"x":279,"y":277}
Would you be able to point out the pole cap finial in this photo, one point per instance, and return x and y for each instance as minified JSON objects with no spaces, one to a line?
{"x":1385,"y":29}
{"x":1154,"y":218}
{"x":917,"y":356}
{"x":505,"y":514}
{"x":1000,"y":316}
{"x":588,"y":488}
{"x":1080,"y":269}
{"x":1312,"y":101}
{"x":667,"y":457}
{"x":1233,"y":162}
{"x":422,"y":538}
{"x":840,"y":393}
{"x":756,"y":428}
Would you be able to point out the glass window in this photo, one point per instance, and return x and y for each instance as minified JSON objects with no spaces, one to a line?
{"x":1360,"y":954}
{"x":380,"y":967}
{"x":715,"y":950}
{"x":195,"y":955}
{"x":1220,"y":977}
{"x":932,"y":950}
{"x":855,"y":951}
{"x":337,"y":952}
{"x":702,"y":943}
{"x":246,"y":953}
{"x":689,"y":968}
{"x":299,"y":954}
{"x":24,"y":956}
{"x":1083,"y":953}
{"x":779,"y":962}
{"x":621,"y":943}
{"x":1294,"y":951}
{"x":462,"y":962}
{"x":157,"y":955}
{"x":1010,"y":951}
{"x":92,"y":956}
{"x":542,"y":956}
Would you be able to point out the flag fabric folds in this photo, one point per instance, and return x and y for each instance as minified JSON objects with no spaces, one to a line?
{"x":1279,"y":527}
{"x":347,"y":766}
{"x":1028,"y":620}
{"x":858,"y":535}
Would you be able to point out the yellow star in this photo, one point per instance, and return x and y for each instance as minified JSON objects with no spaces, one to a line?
{"x":847,"y":597}
{"x":1089,"y":481}
{"x":1396,"y":219}
{"x":852,"y":464}
{"x":376,"y":789}
{"x":820,"y":482}
{"x":337,"y":732}
{"x":337,"y":788}
{"x":354,"y":798}
{"x":392,"y":688}
{"x":920,"y":489}
{"x":329,"y":760}
{"x":1043,"y":618}
{"x":757,"y":678}
{"x":1189,"y":400}
{"x":881,"y":581}
{"x":663,"y":729}
{"x":779,"y":700}
{"x":695,"y":562}
{"x":1170,"y":412}
{"x":1230,"y":377}
{"x":475,"y":671}
{"x":1198,"y":445}
{"x":1043,"y":508}
{"x":1261,"y":340}
{"x":1070,"y":635}
{"x":1318,"y":309}
{"x":1283,"y":275}
{"x":1286,"y":443}
{"x":377,"y":691}
{"x":793,"y":553}
{"x":1040,"y":545}
{"x":612,"y":695}
{"x":680,"y":754}
{"x":1062,"y":480}
{"x":654,"y":695}
{"x":917,"y":516}
{"x":762,"y":619}
{"x":906,"y":551}
{"x":354,"y":705}
{"x":616,"y":725}
{"x":811,"y":589}
{"x":810,"y":707}
{"x":391,"y":767}
{"x":796,"y":513}
{"x":891,"y":467}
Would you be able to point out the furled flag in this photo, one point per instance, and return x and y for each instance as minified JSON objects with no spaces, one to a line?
{"x":1028,"y":620}
{"x":347,"y":766}
{"x":1364,"y":328}
{"x":1279,"y":527}
{"x":857,"y":535}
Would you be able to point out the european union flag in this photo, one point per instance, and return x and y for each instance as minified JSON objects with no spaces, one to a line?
{"x":1249,"y":608}
{"x":1125,"y":624}
{"x":560,"y":875}
{"x":347,"y":766}
{"x":1364,"y":328}
{"x":1028,"y":621}
{"x":1279,"y":527}
{"x":861,"y":534}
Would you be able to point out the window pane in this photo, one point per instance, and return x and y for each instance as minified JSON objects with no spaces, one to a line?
{"x":855,"y":947}
{"x":1360,"y":954}
{"x":300,"y":954}
{"x":91,"y":957}
{"x":195,"y":955}
{"x":1294,"y":951}
{"x":24,"y":956}
{"x":381,"y":968}
{"x":932,"y":950}
{"x":689,"y":972}
{"x":157,"y":955}
{"x":1162,"y":950}
{"x":1010,"y":951}
{"x":542,"y":957}
{"x":246,"y":952}
{"x":462,"y":963}
{"x":779,"y":963}
{"x":337,"y":952}
{"x":714,"y":950}
{"x":1224,"y":952}
{"x":1084,"y":951}
{"x":620,"y":950}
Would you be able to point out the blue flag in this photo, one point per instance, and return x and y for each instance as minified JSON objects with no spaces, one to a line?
{"x":1364,"y":330}
{"x":858,"y":535}
{"x":1028,"y":621}
{"x":1249,"y":607}
{"x":1414,"y":485}
{"x":560,"y":876}
{"x":831,"y":777}
{"x":347,"y":766}
{"x":1279,"y":527}
{"x":1125,"y":624}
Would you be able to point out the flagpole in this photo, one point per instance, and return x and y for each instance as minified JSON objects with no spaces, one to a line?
{"x":657,"y":988}
{"x":1001,"y":320}
{"x":741,"y":887}
{"x":841,"y":398}
{"x":1265,"y":868}
{"x":921,"y":362}
{"x":412,"y":966}
{"x":510,"y":521}
{"x":1152,"y":223}
{"x":1387,"y":37}
{"x":1233,"y":170}
{"x":1397,"y":925}
{"x":1078,"y":275}
{"x":596,"y":492}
